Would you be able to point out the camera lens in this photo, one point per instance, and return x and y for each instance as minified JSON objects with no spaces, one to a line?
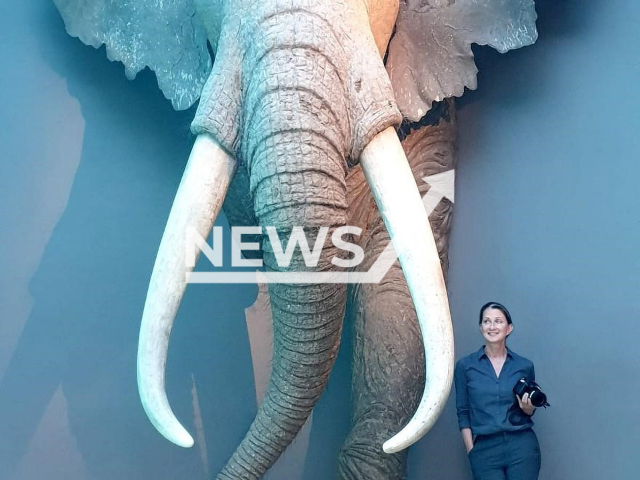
{"x":538,"y":398}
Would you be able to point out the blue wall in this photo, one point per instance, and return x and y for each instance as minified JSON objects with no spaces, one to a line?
{"x":546,"y":221}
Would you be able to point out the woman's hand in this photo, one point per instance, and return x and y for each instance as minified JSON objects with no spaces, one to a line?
{"x":467,"y":438}
{"x":525,"y":404}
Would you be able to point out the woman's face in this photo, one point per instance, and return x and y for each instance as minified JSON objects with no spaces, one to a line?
{"x":494,"y":326}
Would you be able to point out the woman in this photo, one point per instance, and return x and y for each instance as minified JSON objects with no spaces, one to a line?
{"x":494,"y":422}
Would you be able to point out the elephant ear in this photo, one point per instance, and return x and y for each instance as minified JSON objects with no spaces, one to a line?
{"x":430,"y":56}
{"x":164,"y":35}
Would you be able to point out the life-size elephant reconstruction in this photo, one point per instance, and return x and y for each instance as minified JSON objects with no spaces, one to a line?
{"x":296,"y":126}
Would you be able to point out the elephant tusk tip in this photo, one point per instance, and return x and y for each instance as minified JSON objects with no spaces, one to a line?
{"x":182,"y":439}
{"x":188,"y":443}
{"x":392,"y":446}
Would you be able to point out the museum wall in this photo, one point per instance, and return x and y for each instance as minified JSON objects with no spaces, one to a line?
{"x":547,"y":221}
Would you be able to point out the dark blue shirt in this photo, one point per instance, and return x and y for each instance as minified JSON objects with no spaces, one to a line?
{"x":486,"y":403}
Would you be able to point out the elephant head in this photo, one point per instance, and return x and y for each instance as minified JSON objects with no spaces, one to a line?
{"x":299,"y":93}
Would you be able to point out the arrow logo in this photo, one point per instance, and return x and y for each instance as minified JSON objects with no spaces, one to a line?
{"x":442,"y":186}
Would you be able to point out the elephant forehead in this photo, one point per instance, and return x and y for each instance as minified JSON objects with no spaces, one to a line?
{"x":316,"y":53}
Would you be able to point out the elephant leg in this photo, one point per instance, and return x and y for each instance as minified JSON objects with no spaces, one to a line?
{"x":387,"y":376}
{"x":388,"y":357}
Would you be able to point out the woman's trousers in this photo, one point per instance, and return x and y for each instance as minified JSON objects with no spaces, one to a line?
{"x":506,"y":456}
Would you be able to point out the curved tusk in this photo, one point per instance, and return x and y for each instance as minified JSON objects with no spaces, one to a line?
{"x":392,"y":184}
{"x":197,"y":203}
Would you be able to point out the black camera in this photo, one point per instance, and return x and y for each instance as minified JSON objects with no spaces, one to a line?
{"x":536,"y":395}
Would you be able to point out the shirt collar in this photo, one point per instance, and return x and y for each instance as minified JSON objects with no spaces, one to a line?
{"x":480,"y":353}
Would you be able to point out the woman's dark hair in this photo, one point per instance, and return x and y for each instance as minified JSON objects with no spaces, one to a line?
{"x":497,"y":306}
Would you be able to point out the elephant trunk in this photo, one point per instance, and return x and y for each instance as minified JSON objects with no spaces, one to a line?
{"x":307,"y":324}
{"x":294,"y":145}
